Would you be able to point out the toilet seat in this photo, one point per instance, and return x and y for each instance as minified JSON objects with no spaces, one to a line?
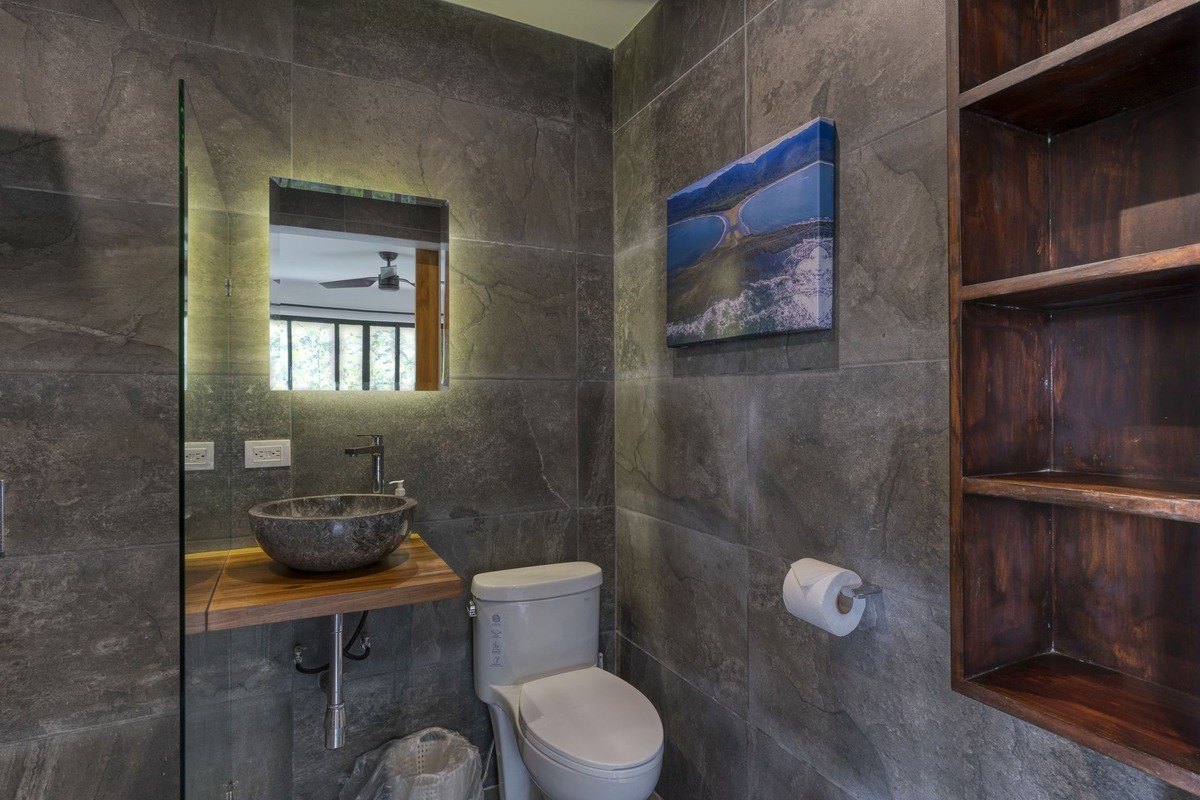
{"x":588,"y":735}
{"x":591,"y":721}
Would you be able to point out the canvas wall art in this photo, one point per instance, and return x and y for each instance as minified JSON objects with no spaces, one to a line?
{"x":750,"y":247}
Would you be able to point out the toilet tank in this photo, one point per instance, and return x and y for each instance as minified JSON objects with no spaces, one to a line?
{"x":535,"y":621}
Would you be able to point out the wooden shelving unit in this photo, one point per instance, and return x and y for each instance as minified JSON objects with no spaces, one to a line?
{"x":1075,"y":367}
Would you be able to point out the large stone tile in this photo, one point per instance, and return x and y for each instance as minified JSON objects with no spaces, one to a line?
{"x":680,"y":452}
{"x":260,"y":661}
{"x":870,"y":66}
{"x":594,"y":290}
{"x":892,"y":247}
{"x":250,"y":487}
{"x":80,"y":97}
{"x":242,"y":105}
{"x":640,"y":328}
{"x":850,"y":467}
{"x":89,"y":638}
{"x":1023,"y":762}
{"x":256,"y":412}
{"x":379,"y":710}
{"x":640,"y":311}
{"x":89,"y":461}
{"x":248,"y":308}
{"x":441,"y":49}
{"x":512,"y":312}
{"x":389,"y":631}
{"x":673,"y":37}
{"x":775,"y":773}
{"x":263,"y":27}
{"x":66,"y":271}
{"x":134,"y":760}
{"x":687,"y":133}
{"x":594,"y":86}
{"x":594,"y":190}
{"x":486,"y":544}
{"x":706,"y":754}
{"x":598,"y":544}
{"x":208,"y":251}
{"x":441,"y":632}
{"x":872,"y":712}
{"x":595,"y":414}
{"x":681,"y":596}
{"x":208,"y":748}
{"x":261,"y":738}
{"x":508,"y":176}
{"x":477,"y":448}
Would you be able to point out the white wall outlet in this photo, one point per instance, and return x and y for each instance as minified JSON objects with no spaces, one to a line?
{"x":198,"y":456}
{"x":269,"y":453}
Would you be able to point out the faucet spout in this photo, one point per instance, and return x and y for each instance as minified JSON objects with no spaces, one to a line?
{"x":375,"y":451}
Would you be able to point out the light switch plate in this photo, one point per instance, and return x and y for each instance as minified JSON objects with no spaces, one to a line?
{"x":198,"y":456}
{"x":268,"y":453}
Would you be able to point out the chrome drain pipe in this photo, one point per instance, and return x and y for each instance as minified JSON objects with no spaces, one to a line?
{"x":335,"y":706}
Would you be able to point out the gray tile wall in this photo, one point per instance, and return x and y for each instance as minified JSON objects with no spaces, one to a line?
{"x":734,"y":459}
{"x":513,"y":465}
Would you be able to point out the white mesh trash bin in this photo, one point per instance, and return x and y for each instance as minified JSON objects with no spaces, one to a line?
{"x":433,"y":764}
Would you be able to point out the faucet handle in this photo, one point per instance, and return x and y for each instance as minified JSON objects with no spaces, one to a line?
{"x":376,"y":438}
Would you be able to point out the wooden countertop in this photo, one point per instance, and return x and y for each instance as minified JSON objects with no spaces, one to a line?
{"x":200,"y":573}
{"x":251,"y":589}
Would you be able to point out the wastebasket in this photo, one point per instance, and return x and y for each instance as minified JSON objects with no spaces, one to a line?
{"x":433,"y":764}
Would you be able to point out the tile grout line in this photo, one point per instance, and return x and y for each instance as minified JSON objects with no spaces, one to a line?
{"x":673,"y":83}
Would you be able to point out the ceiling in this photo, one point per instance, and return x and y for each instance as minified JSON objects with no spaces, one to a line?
{"x":602,"y":22}
{"x":303,"y":257}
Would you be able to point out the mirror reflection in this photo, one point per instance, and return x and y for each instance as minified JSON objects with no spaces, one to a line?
{"x":358,"y":289}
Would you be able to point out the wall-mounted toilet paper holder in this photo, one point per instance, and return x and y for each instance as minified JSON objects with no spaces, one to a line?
{"x":864,"y":589}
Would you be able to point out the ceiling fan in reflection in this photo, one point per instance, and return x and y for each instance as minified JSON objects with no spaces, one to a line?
{"x":388,"y":279}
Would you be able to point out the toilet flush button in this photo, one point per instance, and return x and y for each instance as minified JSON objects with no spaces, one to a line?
{"x":497,"y":641}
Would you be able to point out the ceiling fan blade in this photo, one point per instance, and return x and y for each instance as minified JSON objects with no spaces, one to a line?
{"x":351,"y":283}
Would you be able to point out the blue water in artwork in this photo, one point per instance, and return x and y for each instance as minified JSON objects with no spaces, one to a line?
{"x":750,"y":247}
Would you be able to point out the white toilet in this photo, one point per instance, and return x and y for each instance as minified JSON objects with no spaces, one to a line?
{"x":565,"y":729}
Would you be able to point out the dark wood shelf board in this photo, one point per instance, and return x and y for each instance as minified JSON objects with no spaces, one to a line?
{"x":1144,"y":57}
{"x":253,"y":590}
{"x":1175,"y":500}
{"x":1149,"y":726}
{"x":1145,"y":275}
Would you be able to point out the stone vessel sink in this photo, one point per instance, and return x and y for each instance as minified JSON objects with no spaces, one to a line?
{"x":330,"y":533}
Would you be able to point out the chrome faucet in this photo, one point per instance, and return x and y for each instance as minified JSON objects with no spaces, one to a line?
{"x":375,"y":450}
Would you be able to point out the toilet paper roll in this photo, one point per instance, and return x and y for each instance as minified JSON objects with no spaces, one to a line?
{"x":810,"y":592}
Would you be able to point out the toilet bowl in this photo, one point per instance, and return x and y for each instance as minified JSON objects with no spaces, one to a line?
{"x":564,"y":728}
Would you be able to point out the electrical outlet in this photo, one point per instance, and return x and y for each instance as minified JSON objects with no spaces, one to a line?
{"x":268,"y":453}
{"x":198,"y":456}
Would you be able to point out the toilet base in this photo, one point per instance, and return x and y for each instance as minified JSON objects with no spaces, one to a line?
{"x":515,"y":782}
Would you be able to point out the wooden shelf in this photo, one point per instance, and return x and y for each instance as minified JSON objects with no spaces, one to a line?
{"x":1144,"y":57}
{"x":1176,"y":500}
{"x":1162,"y":272}
{"x":1144,"y":724}
{"x":1074,"y":243}
{"x":251,"y":589}
{"x":201,"y":571}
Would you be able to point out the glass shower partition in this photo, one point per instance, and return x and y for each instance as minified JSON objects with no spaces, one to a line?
{"x":208,"y":721}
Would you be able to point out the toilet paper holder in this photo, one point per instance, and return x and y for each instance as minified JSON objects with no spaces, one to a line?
{"x":864,"y":589}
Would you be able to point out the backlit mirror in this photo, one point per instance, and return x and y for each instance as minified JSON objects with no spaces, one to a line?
{"x":358,"y":289}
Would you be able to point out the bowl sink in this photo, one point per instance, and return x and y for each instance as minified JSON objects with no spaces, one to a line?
{"x":331,"y":533}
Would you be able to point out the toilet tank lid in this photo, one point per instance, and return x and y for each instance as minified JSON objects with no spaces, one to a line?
{"x":536,"y":583}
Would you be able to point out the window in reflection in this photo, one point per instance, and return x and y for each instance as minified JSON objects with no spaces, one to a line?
{"x":330,"y":354}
